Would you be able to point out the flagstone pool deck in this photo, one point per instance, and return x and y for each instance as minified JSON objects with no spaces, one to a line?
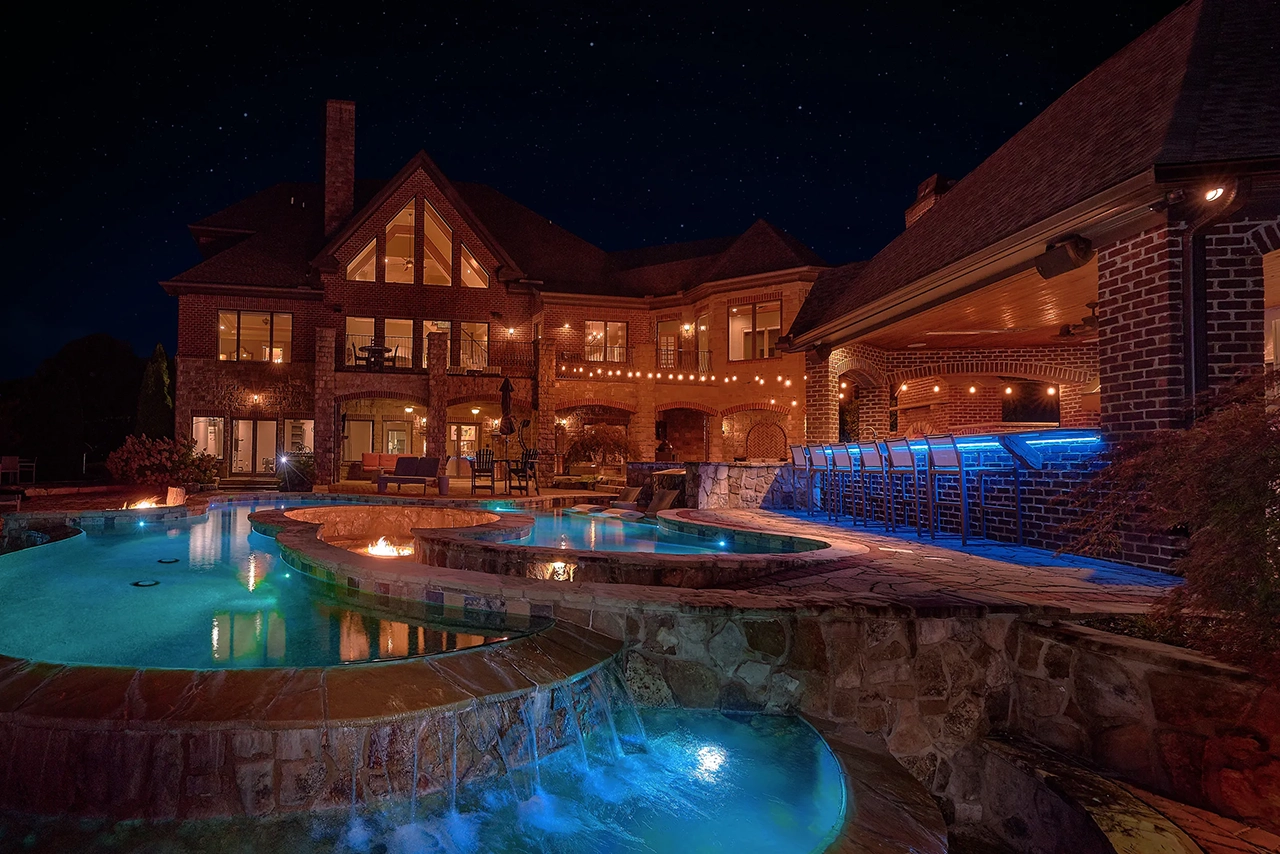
{"x":899,"y":568}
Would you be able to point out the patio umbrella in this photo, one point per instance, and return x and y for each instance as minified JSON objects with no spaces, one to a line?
{"x":507,"y":425}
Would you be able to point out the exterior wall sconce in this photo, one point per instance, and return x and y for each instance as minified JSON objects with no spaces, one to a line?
{"x":408,"y":409}
{"x":256,"y":398}
{"x":475,"y":410}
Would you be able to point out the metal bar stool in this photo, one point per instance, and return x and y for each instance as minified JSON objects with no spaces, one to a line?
{"x":800,"y":464}
{"x":902,"y":465}
{"x":872,"y":473}
{"x":818,"y":463}
{"x":945,"y":460}
{"x":841,"y":473}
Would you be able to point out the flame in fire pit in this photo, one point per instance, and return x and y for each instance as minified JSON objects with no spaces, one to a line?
{"x":141,"y":505}
{"x":385,"y":548}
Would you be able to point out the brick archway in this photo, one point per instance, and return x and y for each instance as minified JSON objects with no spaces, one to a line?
{"x":596,"y":401}
{"x":743,"y":407}
{"x":686,"y":404}
{"x":487,"y":398}
{"x":416,"y":399}
{"x":862,"y":371}
{"x":1023,"y":370}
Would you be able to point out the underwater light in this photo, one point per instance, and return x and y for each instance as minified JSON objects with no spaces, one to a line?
{"x":710,"y":758}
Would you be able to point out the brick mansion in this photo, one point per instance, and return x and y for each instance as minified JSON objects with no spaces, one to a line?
{"x":1112,"y":260}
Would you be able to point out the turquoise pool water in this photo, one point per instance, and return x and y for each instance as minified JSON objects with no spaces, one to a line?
{"x":221,"y":598}
{"x":582,"y":531}
{"x":701,"y":782}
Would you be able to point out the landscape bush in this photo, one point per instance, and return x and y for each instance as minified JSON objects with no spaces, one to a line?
{"x":1216,"y":483}
{"x":161,"y":462}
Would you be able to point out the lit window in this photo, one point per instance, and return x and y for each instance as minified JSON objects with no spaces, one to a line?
{"x":299,"y":436}
{"x":475,"y":345}
{"x":363,"y":269}
{"x":399,"y":260}
{"x":473,"y":275}
{"x":255,"y":336}
{"x":437,"y":248}
{"x":429,"y":326}
{"x":359,"y":335}
{"x":606,"y":341}
{"x":754,"y":330}
{"x":398,"y":335}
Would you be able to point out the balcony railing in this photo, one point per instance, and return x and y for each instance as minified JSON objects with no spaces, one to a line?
{"x":618,"y":355}
{"x":690,"y":361}
{"x":513,"y":357}
{"x":353,"y":352}
{"x":474,"y":355}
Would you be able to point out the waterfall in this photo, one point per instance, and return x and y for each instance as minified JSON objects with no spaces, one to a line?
{"x":571,"y":717}
{"x":600,"y":700}
{"x":453,"y":768}
{"x":413,"y":781}
{"x":629,"y":702}
{"x":530,"y":711}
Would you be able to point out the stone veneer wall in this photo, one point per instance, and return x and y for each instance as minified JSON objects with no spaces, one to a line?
{"x":1169,"y":720}
{"x":714,"y":486}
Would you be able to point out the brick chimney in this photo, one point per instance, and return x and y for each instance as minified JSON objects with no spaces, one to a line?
{"x":926,"y":195}
{"x":339,"y":163}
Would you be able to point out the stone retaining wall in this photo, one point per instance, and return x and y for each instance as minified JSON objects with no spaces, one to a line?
{"x":714,"y":486}
{"x":1169,"y":720}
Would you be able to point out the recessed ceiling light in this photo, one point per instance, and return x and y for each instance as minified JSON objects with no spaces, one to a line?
{"x":1213,"y":195}
{"x":918,"y":344}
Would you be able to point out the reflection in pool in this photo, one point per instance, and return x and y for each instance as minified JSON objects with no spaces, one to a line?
{"x":588,"y":532}
{"x":228,"y":601}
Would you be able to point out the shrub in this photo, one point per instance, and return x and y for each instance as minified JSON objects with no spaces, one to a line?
{"x":161,"y":462}
{"x":601,"y":445}
{"x":1216,"y":484}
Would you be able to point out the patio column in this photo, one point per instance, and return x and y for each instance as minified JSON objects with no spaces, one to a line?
{"x":873,"y":412}
{"x":433,"y":436}
{"x":821,"y":405}
{"x":640,"y":428}
{"x":546,"y":395}
{"x":325,"y":413}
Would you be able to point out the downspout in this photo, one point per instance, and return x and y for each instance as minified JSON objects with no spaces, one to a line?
{"x":1195,"y":350}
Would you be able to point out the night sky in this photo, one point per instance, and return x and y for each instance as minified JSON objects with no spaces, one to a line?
{"x":627,"y":127}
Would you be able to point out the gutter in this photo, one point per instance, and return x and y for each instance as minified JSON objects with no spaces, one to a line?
{"x":184,"y":288}
{"x":1115,"y":210}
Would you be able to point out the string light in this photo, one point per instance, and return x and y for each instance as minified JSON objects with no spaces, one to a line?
{"x":1008,"y":389}
{"x":1052,"y":390}
{"x":972,"y":389}
{"x":937,"y":388}
{"x":904,"y":387}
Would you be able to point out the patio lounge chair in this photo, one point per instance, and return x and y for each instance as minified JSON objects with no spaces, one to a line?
{"x":627,"y":499}
{"x":662,"y":500}
{"x":413,"y":470}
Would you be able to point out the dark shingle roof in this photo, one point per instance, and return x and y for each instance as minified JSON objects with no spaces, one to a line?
{"x":1200,"y":86}
{"x":278,"y":234}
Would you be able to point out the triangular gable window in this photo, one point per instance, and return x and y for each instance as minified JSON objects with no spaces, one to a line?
{"x":362,"y":268}
{"x":437,"y":248}
{"x":399,"y":260}
{"x":473,"y":275}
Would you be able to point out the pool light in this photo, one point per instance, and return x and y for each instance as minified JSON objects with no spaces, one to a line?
{"x":710,"y":759}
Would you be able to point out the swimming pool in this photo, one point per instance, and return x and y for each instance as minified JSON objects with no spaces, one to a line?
{"x":580,"y":531}
{"x":203,"y":593}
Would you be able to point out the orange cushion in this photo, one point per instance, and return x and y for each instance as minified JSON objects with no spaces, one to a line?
{"x":369,"y":461}
{"x":388,"y":461}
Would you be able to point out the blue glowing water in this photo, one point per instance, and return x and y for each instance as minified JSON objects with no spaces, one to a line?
{"x":704,"y":782}
{"x":567,"y":530}
{"x":226,"y":601}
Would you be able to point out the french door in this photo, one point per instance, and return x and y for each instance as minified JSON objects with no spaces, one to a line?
{"x":253,"y":447}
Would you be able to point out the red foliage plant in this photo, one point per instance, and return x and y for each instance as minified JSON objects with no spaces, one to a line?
{"x":1218,"y":483}
{"x":161,"y":462}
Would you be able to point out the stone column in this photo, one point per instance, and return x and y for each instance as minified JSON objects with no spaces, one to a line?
{"x":327,"y":437}
{"x":433,"y":437}
{"x":1140,"y":331}
{"x":821,"y":410}
{"x":640,"y":429}
{"x":547,"y":395}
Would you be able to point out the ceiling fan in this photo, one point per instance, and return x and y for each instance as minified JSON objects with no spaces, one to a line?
{"x":1086,"y":328}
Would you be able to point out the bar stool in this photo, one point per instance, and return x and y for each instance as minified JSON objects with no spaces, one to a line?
{"x":902,"y":465}
{"x":818,"y":465}
{"x":800,"y":463}
{"x":945,"y":460}
{"x":872,"y":473}
{"x":841,"y":473}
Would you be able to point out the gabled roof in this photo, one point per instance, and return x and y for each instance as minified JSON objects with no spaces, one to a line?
{"x":325,"y":259}
{"x":1199,"y":87}
{"x":274,"y":239}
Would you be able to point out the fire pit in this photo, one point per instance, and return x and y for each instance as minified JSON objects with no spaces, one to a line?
{"x":388,"y":548}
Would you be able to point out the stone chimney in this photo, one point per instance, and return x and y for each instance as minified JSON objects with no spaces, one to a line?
{"x":926,"y":195}
{"x":339,"y":163}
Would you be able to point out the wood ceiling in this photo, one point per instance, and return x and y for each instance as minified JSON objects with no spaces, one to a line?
{"x":1023,"y":310}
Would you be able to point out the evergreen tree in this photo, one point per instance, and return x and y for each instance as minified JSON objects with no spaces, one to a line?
{"x":155,"y":402}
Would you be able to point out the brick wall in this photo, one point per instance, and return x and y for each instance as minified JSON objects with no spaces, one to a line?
{"x":687,"y":433}
{"x":1235,"y":299}
{"x":1139,"y":331}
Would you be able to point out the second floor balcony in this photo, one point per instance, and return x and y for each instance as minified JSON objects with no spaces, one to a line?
{"x":398,"y":354}
{"x":689,"y":361}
